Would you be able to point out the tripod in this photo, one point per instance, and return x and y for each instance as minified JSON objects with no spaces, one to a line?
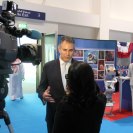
{"x":3,"y":93}
{"x":4,"y":115}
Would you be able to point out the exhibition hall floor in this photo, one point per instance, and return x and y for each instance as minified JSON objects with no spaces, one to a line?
{"x":28,"y":116}
{"x":116,"y":114}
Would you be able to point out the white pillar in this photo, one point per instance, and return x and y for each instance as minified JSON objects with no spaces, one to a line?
{"x":104,"y":20}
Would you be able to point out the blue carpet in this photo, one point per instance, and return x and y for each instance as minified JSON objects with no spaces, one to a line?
{"x":28,"y":116}
{"x":124,"y":125}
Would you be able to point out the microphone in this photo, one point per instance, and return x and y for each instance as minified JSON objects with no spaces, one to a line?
{"x":34,"y":35}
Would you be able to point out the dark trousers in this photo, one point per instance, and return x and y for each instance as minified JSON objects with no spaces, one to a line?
{"x":50,"y":126}
{"x":50,"y":114}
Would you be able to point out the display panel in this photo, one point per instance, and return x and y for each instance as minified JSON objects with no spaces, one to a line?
{"x":97,"y":59}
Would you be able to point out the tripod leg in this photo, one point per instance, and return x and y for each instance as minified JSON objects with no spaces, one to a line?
{"x":10,"y":128}
{"x":7,"y":121}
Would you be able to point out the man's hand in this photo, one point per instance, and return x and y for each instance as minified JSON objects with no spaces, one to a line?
{"x":47,"y":96}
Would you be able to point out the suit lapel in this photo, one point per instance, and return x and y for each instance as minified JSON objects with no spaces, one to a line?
{"x":58,"y":74}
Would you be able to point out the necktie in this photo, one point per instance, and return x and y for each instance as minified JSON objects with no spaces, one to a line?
{"x":64,"y":72}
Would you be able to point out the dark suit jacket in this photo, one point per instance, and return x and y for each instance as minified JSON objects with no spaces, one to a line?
{"x":71,"y":118}
{"x":51,"y":76}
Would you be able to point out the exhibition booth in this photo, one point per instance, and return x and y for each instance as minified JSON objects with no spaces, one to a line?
{"x":102,"y":54}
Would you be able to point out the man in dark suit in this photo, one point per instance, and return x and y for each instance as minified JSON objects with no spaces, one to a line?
{"x":53,"y":83}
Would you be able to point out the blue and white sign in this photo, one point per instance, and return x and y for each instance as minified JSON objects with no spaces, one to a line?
{"x":29,"y":14}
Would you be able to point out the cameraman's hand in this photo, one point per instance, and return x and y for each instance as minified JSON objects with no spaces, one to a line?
{"x":47,"y":96}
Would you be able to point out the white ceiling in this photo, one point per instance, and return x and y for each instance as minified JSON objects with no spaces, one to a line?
{"x":118,"y":10}
{"x":35,"y":1}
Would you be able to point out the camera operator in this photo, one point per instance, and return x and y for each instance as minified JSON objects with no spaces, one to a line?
{"x":9,"y":52}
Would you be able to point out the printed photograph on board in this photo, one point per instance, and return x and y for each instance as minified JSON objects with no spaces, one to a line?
{"x":110,"y":71}
{"x":95,"y":73}
{"x":101,"y":65}
{"x":100,"y":74}
{"x":109,"y":67}
{"x":101,"y":54}
{"x":78,"y":53}
{"x":109,"y":55}
{"x":91,"y":56}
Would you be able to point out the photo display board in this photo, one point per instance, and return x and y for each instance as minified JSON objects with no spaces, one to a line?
{"x":97,"y":59}
{"x":101,"y":55}
{"x":98,"y":53}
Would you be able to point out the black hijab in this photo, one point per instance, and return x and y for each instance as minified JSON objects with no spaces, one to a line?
{"x":81,"y":84}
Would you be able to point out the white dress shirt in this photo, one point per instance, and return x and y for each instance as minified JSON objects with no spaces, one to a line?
{"x":64,"y":70}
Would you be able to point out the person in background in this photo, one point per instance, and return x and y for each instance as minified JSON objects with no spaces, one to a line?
{"x":130,"y":75}
{"x":15,"y":80}
{"x":53,"y":83}
{"x":109,"y":81}
{"x":81,"y":110}
{"x":117,"y":83}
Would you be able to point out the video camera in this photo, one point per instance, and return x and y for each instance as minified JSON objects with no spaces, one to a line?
{"x":9,"y":50}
